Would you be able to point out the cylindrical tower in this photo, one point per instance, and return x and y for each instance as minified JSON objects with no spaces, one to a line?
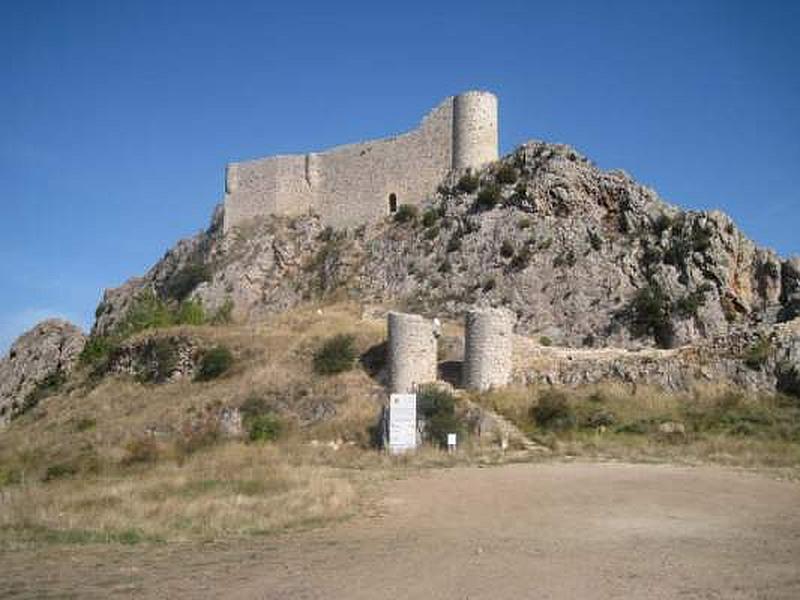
{"x":474,"y":130}
{"x":412,"y":352}
{"x":488,"y":348}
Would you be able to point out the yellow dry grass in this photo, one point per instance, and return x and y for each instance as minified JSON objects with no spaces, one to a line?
{"x":102,"y":461}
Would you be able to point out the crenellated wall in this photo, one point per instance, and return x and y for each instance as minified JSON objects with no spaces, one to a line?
{"x":349,"y":185}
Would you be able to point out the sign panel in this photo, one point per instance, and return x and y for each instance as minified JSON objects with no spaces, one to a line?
{"x":402,"y":422}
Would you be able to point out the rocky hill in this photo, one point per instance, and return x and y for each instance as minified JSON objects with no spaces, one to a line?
{"x":585,"y":258}
{"x":588,"y":260}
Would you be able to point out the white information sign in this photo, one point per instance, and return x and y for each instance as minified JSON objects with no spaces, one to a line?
{"x":402,"y":422}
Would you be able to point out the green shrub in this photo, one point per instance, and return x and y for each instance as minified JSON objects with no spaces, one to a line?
{"x":506,"y":249}
{"x":595,"y":241}
{"x":565,"y":259}
{"x":59,"y":471}
{"x":701,"y":239}
{"x":689,"y":305}
{"x":97,"y":350}
{"x":468,"y":183}
{"x":758,"y":354}
{"x":336,"y":355}
{"x":600,"y":417}
{"x":406,"y":213}
{"x":183,"y":282}
{"x":162,"y":358}
{"x":521,"y":259}
{"x":430,"y":217}
{"x":437,"y":407}
{"x":454,"y":243}
{"x":264,"y":428}
{"x":488,"y":197}
{"x":662,"y":224}
{"x":545,"y":341}
{"x":445,"y":267}
{"x":553,"y":411}
{"x":48,"y":386}
{"x":651,"y":315}
{"x":9,"y":476}
{"x":431,"y":233}
{"x":214,"y":363}
{"x":524,"y":223}
{"x":224,"y":314}
{"x":506,"y":175}
{"x":147,"y":312}
{"x":190,"y":312}
{"x":85,"y":424}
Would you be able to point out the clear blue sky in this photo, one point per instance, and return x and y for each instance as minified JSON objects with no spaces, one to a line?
{"x":117,"y":118}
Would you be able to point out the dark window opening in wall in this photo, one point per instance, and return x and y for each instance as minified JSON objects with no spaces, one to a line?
{"x":392,"y":203}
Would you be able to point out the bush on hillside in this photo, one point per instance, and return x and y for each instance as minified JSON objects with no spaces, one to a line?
{"x":468,"y":183}
{"x":488,"y":197}
{"x":183,"y":282}
{"x":506,"y":175}
{"x":214,"y":363}
{"x":406,"y":213}
{"x":650,"y":312}
{"x":264,"y":428}
{"x":336,"y":355}
{"x":437,"y":407}
{"x":553,"y":411}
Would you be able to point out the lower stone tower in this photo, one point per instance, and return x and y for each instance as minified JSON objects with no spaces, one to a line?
{"x":488,"y":348}
{"x":412,"y":352}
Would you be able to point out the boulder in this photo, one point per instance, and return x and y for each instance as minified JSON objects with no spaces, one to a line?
{"x":42,"y":356}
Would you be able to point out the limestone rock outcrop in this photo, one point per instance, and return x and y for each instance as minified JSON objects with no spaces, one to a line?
{"x":47,"y":352}
{"x":582,"y":257}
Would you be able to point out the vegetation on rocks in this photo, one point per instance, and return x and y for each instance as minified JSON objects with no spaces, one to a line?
{"x":336,"y":355}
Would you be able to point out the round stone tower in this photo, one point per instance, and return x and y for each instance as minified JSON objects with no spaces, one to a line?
{"x":412,"y":352}
{"x":488,"y":348}
{"x":474,"y":130}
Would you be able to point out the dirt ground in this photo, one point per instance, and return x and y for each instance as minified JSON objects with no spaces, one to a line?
{"x":553,"y":530}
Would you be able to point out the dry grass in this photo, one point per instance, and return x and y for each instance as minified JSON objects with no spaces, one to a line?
{"x":722,"y":425}
{"x":109,"y":462}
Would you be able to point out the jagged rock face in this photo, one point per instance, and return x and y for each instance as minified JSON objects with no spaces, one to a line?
{"x":50,"y":348}
{"x":567,"y":247}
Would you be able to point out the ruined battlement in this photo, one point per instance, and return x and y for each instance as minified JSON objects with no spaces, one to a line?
{"x":357,"y":183}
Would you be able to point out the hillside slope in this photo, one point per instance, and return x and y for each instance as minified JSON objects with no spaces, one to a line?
{"x":584,"y":257}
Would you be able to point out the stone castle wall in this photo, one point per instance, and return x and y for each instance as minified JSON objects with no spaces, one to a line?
{"x":352,"y":184}
{"x":411,"y":352}
{"x":488,"y":348}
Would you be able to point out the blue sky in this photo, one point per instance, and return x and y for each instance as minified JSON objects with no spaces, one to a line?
{"x":117,"y":118}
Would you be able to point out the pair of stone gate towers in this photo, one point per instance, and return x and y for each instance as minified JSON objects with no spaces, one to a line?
{"x":413,"y":346}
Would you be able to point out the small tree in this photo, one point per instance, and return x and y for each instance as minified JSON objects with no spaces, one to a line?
{"x":406,"y":213}
{"x":336,"y":355}
{"x":214,"y":363}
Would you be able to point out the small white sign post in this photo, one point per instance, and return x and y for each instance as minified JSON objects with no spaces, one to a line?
{"x":402,"y":423}
{"x":451,"y":442}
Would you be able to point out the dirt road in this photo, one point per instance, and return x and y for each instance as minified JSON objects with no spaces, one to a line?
{"x":553,"y":530}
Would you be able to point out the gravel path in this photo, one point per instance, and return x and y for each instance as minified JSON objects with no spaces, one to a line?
{"x":555,"y":530}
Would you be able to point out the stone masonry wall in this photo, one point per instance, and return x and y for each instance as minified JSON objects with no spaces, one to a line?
{"x":412,"y":352}
{"x":488,"y":349}
{"x":349,"y":185}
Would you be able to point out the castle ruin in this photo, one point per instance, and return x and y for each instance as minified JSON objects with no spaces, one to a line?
{"x":358,"y":183}
{"x":412,"y":352}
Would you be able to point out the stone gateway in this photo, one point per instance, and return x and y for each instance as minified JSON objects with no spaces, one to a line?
{"x":358,"y":183}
